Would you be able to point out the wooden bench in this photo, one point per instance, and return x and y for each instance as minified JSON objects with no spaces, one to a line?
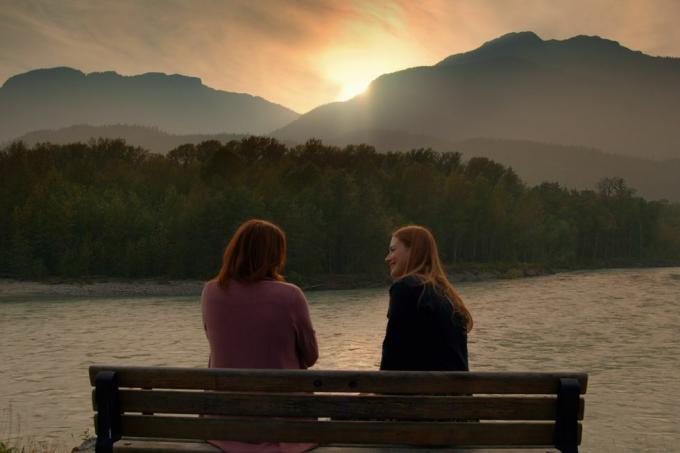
{"x":157,"y":409}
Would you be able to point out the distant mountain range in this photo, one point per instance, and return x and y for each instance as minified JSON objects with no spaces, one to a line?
{"x":577,"y":167}
{"x":573,"y":167}
{"x":61,"y":97}
{"x":149,"y":138}
{"x":583,"y":91}
{"x":570,"y":111}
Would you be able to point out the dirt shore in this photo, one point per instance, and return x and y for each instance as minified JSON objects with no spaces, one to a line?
{"x":107,"y":288}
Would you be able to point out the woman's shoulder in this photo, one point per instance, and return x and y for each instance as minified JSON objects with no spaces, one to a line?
{"x":265,"y":290}
{"x":210,"y":286}
{"x":427,"y":295}
{"x":288,"y":295}
{"x":406,"y":288}
{"x":283,"y":289}
{"x":271,"y":285}
{"x":406,"y":283}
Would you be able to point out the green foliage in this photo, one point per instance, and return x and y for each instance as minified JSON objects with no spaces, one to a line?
{"x":110,"y":209}
{"x":86,"y":434}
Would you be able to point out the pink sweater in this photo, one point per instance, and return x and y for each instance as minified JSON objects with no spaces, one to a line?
{"x":259,"y":325}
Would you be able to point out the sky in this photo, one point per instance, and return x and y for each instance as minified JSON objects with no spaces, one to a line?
{"x":302,"y":53}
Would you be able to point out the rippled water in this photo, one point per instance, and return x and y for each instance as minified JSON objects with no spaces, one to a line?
{"x":621,"y":326}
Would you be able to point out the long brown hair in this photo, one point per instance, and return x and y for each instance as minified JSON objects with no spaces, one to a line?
{"x":424,"y":264}
{"x":256,"y":251}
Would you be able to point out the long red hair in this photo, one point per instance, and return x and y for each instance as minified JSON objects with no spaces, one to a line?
{"x":256,"y":251}
{"x":424,"y":264}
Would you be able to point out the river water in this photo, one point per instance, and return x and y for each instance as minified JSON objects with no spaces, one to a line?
{"x":620,"y":326}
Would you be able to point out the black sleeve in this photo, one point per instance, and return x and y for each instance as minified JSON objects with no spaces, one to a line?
{"x":398,"y":339}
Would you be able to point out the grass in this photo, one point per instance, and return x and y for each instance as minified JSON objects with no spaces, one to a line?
{"x":6,"y":449}
{"x":32,"y":446}
{"x":14,"y":442}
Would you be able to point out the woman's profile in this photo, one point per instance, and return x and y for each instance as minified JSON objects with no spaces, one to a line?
{"x":428,"y":322}
{"x":252,"y":318}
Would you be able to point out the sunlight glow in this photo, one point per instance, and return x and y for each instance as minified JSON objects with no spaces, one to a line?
{"x":359,"y":51}
{"x":352,"y":89}
{"x":350,"y":69}
{"x":350,"y":73}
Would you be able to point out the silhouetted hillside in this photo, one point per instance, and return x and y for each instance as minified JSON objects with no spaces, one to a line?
{"x":577,"y":167}
{"x":60,"y":97}
{"x":149,"y":138}
{"x":391,"y":140}
{"x":572,"y":166}
{"x":584,"y":91}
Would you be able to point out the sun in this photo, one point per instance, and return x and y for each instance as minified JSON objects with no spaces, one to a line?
{"x":351,"y":89}
{"x":350,"y":69}
{"x":347,"y":74}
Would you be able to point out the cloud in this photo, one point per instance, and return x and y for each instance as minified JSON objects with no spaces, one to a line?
{"x":646,"y":25}
{"x":301,"y":53}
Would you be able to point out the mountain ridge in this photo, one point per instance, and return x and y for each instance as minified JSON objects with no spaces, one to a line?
{"x":58,"y":97}
{"x":575,"y":167}
{"x":149,"y":138}
{"x":582,"y":91}
{"x":535,"y":163}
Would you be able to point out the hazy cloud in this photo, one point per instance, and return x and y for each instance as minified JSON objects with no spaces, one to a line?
{"x":302,"y":53}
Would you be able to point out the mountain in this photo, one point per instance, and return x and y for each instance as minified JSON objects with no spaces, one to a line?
{"x":149,"y":138}
{"x":61,"y":97}
{"x":575,"y":167}
{"x":571,"y":166}
{"x":584,"y":91}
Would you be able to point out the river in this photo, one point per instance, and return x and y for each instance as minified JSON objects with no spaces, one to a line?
{"x":620,"y":326}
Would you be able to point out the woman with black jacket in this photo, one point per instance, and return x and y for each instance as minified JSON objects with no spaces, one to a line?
{"x":428,"y":322}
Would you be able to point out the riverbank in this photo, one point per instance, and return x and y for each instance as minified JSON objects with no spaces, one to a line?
{"x":102,"y":287}
{"x":105,"y":287}
{"x":98,"y":288}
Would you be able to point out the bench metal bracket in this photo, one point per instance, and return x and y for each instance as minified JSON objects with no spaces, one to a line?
{"x":566,"y":425}
{"x":108,"y":411}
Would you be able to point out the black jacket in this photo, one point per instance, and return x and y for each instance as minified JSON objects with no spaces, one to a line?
{"x":423,"y":333}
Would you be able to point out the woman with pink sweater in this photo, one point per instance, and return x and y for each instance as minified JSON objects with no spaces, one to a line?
{"x":252,"y":318}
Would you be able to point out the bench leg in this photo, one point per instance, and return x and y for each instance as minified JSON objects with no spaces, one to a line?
{"x":566,"y":425}
{"x":108,"y":411}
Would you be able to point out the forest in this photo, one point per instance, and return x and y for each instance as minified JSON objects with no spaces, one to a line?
{"x":108,"y":209}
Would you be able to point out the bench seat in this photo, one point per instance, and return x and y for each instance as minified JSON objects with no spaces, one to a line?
{"x":130,"y":445}
{"x":175,"y":409}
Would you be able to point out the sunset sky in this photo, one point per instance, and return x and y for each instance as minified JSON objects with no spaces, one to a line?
{"x":302,"y":53}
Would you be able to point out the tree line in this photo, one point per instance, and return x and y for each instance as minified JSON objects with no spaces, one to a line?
{"x":109,"y":209}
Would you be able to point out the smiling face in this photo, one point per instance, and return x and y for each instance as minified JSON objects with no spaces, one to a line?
{"x":397,"y":258}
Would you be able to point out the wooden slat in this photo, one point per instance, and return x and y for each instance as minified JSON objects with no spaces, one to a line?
{"x":408,"y":433}
{"x":159,"y":446}
{"x":357,"y":407}
{"x":163,"y":446}
{"x":337,"y":448}
{"x":412,"y":382}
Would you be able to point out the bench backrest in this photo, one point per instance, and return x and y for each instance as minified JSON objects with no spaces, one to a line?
{"x":481,"y":409}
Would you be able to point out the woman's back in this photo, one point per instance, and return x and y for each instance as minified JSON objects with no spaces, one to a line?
{"x":253,"y":319}
{"x":423,"y":331}
{"x":265,"y":324}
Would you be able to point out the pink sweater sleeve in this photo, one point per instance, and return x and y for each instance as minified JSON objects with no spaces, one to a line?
{"x":205,"y":327}
{"x":306,"y":344}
